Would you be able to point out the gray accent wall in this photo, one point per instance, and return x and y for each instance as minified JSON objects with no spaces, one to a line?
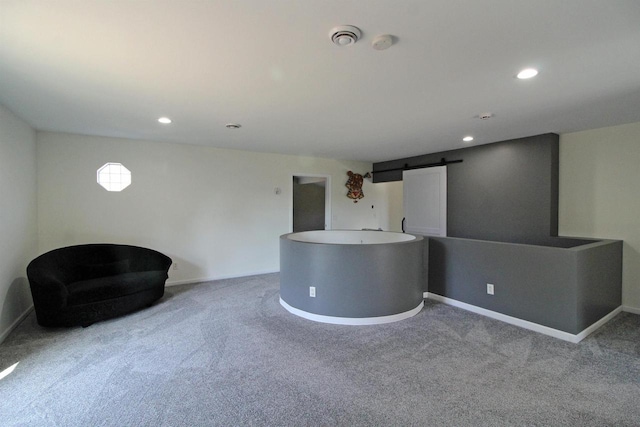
{"x":565,"y":288}
{"x":506,"y":191}
{"x":502,"y":223}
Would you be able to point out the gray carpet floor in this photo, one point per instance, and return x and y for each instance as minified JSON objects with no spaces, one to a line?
{"x":226,"y":353}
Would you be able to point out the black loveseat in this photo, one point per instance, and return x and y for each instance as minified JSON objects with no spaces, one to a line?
{"x":84,"y":284}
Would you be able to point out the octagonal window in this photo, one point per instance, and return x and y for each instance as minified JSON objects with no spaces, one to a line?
{"x":114,"y":177}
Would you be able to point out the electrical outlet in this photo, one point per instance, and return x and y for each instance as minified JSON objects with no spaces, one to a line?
{"x":312,"y":291}
{"x":490,"y":289}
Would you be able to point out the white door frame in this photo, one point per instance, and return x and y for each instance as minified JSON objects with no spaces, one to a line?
{"x":327,"y":198}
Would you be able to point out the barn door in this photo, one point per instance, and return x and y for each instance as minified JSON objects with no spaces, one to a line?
{"x":425,"y":201}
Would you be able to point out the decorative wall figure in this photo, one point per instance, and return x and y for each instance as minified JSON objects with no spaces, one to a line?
{"x":354,"y":184}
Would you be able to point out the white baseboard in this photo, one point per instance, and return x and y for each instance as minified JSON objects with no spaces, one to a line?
{"x":574,"y":338}
{"x":631,"y":309}
{"x":222,"y":277}
{"x":353,"y":321}
{"x":582,"y":335}
{"x":15,"y":323}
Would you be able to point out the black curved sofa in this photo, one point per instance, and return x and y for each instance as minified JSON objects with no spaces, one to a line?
{"x":84,"y":284}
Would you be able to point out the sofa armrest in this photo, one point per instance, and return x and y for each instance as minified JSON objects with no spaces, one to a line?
{"x":48,"y":293}
{"x":150,"y":261}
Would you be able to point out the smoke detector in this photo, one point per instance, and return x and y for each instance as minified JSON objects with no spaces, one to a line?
{"x":345,"y":35}
{"x":382,"y":42}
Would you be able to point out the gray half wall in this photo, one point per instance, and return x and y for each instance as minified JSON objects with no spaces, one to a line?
{"x":567,"y":289}
{"x":353,"y":281}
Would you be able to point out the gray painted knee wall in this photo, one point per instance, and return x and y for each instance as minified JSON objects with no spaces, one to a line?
{"x":567,"y":289}
{"x":353,"y":281}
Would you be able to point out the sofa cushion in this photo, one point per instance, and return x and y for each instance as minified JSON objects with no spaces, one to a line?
{"x":102,"y":288}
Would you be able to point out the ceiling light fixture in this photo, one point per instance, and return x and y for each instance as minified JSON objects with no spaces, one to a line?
{"x":232,"y":126}
{"x":345,"y":35}
{"x":164,"y":120}
{"x":467,"y":139}
{"x":527,"y":73}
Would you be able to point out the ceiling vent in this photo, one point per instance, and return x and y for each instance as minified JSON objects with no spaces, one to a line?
{"x":345,"y":35}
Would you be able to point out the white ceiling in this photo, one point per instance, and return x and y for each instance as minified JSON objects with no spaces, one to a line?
{"x":112,"y":67}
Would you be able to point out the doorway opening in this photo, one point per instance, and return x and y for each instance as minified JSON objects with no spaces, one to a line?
{"x":310,"y":202}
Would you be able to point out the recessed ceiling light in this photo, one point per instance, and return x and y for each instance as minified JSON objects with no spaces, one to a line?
{"x":232,"y":126}
{"x":467,"y":139}
{"x":527,"y":73}
{"x":164,"y":120}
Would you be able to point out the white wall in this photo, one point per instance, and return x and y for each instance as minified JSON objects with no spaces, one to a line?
{"x":600,"y":194}
{"x":394,"y":213}
{"x":213,"y":211}
{"x":18,"y":233}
